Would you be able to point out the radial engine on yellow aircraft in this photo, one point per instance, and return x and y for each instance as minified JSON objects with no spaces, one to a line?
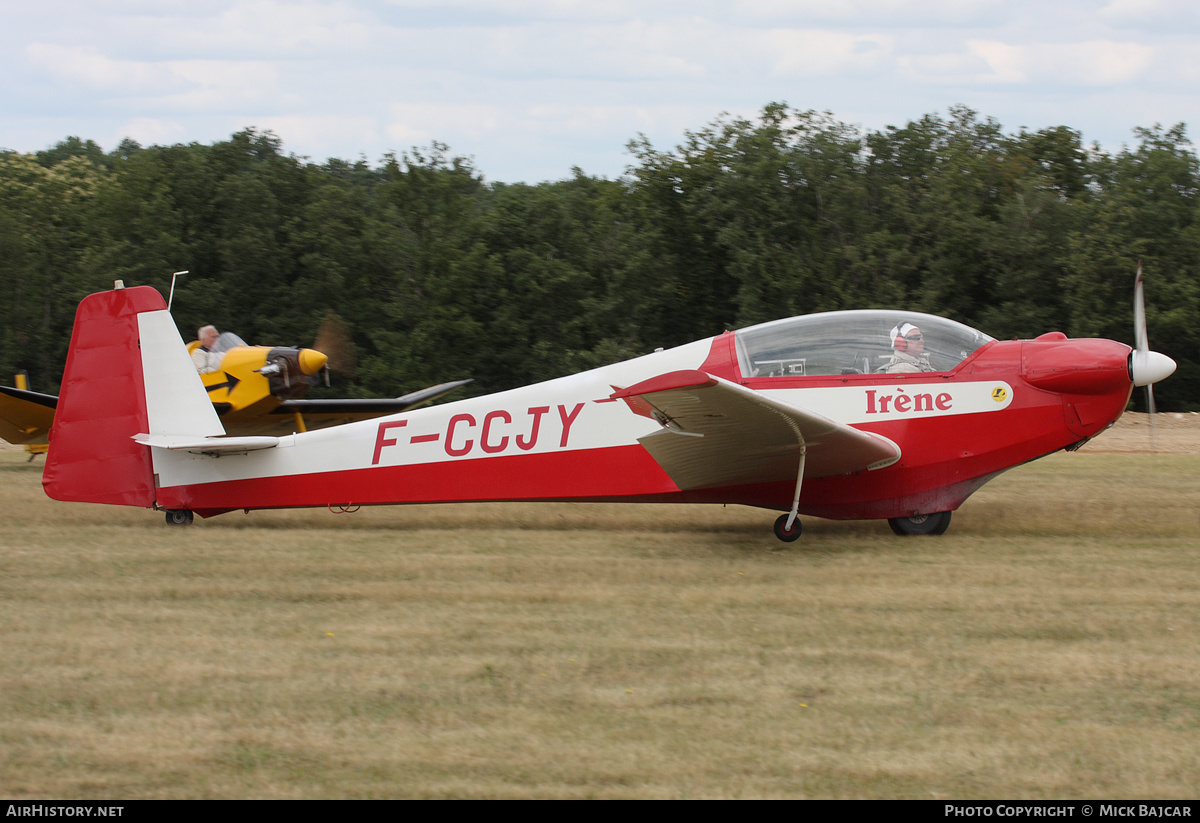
{"x":258,"y":375}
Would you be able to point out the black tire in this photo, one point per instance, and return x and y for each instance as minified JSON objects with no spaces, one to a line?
{"x":921,"y":524}
{"x":785,"y":534}
{"x":179,"y":517}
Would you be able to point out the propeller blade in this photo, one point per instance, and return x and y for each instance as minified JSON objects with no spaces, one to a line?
{"x":1139,"y":313}
{"x":1146,"y":367}
{"x":333,"y":338}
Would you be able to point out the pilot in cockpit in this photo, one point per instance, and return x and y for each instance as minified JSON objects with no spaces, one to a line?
{"x":204,"y":356}
{"x":908,"y":351}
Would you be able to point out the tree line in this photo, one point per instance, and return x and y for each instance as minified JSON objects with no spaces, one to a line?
{"x":440,"y":274}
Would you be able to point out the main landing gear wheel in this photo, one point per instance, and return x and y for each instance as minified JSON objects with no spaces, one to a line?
{"x":179,"y":517}
{"x":785,"y":534}
{"x":921,"y":524}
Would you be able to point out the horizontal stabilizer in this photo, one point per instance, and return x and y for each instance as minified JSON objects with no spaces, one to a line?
{"x":212,"y":445}
{"x":732,"y":435}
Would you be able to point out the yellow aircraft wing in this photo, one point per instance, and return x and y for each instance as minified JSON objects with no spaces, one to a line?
{"x":26,"y":416}
{"x":306,"y":415}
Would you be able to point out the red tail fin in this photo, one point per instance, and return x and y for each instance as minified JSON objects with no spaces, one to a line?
{"x":103,"y":404}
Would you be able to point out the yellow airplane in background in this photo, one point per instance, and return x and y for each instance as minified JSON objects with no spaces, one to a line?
{"x":26,"y":416}
{"x":257,"y":390}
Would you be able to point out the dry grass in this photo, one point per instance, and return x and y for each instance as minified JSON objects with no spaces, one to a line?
{"x":1047,"y":646}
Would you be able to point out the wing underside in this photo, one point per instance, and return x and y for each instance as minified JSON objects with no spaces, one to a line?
{"x":25,"y":416}
{"x":716,"y":433}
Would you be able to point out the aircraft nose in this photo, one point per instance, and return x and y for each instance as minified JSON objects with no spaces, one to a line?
{"x":1146,"y":367}
{"x":1087,"y":366}
{"x":311,"y":361}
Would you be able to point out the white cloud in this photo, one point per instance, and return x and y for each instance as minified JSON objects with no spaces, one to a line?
{"x":960,"y":68}
{"x":154,"y":131}
{"x":813,"y":52}
{"x":1174,"y":15}
{"x":85,"y":66}
{"x":226,"y":85}
{"x":419,"y":123}
{"x":180,"y":85}
{"x":238,"y":29}
{"x":320,"y":137}
{"x":747,"y":13}
{"x":550,"y":10}
{"x":1044,"y":65}
{"x":868,"y":13}
{"x":533,"y":87}
{"x":1097,"y":63}
{"x":292,"y":30}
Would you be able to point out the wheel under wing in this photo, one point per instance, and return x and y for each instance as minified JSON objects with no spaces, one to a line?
{"x":717,"y":434}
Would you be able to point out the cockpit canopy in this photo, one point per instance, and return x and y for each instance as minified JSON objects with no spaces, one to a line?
{"x":228,"y":340}
{"x":848,"y":342}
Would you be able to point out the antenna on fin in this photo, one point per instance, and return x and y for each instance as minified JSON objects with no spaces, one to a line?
{"x":172,"y":294}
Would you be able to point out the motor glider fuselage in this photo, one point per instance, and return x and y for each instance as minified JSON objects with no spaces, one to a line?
{"x":615,"y":433}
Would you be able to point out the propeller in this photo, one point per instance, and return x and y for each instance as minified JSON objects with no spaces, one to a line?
{"x":1145,"y":367}
{"x":293,"y":370}
{"x":333,"y":338}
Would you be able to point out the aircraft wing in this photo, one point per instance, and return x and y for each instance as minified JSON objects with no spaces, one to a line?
{"x":716,"y":433}
{"x":319,"y":414}
{"x":25,"y":416}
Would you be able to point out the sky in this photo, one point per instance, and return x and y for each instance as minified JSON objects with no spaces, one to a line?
{"x":531,"y":89}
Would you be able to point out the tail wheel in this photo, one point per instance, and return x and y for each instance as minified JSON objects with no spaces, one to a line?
{"x":179,"y":517}
{"x":921,"y":524}
{"x":784,"y":533}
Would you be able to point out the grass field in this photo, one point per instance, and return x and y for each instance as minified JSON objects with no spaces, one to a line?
{"x":1048,"y":646}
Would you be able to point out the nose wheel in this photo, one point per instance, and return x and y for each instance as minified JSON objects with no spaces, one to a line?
{"x":179,"y":517}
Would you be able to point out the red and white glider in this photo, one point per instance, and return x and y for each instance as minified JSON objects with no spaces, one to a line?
{"x":846,"y":415}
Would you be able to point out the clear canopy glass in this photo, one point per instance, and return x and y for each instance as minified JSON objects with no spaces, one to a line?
{"x":226,"y":341}
{"x":851,"y":342}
